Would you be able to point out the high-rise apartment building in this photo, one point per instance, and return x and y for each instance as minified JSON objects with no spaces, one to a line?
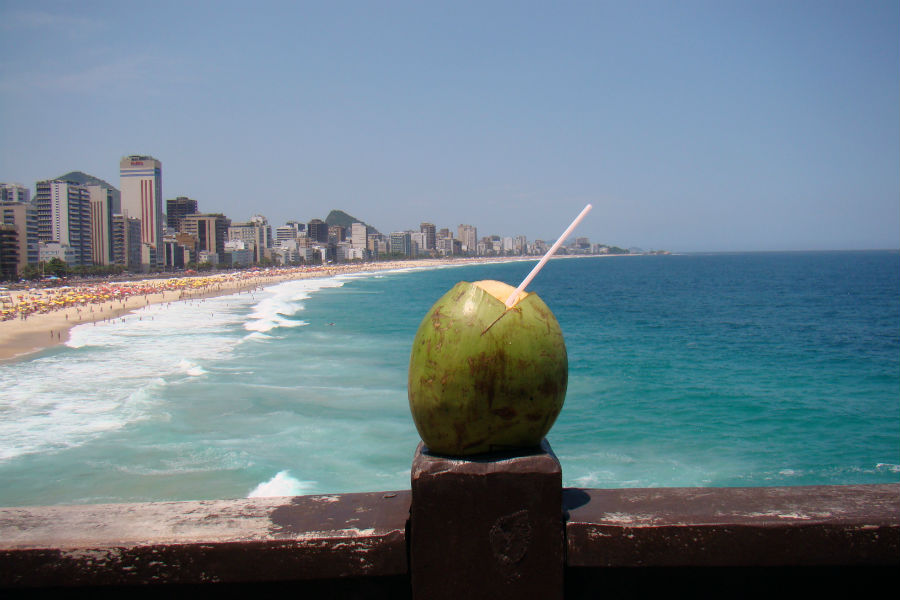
{"x":64,"y":217}
{"x":448,"y":246}
{"x":9,"y":252}
{"x":211,"y":231}
{"x":141,"y":184}
{"x":376,"y":244}
{"x":317,"y":231}
{"x":417,"y":241}
{"x":520,"y":245}
{"x":22,"y":216}
{"x":14,"y":192}
{"x":126,"y":241}
{"x":18,"y":230}
{"x":430,"y":235}
{"x":103,"y":207}
{"x":264,"y":223}
{"x":468,"y":238}
{"x":286,"y":233}
{"x":400,"y":243}
{"x":336,"y":234}
{"x":358,"y":235}
{"x":253,"y":236}
{"x":177,"y":209}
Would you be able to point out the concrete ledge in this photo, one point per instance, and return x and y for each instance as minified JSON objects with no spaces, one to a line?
{"x":247,"y":540}
{"x":734,"y":527}
{"x":487,"y":526}
{"x":824,"y":538}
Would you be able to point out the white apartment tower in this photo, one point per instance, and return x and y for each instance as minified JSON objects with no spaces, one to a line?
{"x":358,"y":235}
{"x":64,"y":217}
{"x":468,"y":237}
{"x":141,"y":185}
{"x":418,"y":241}
{"x":253,"y":234}
{"x":286,"y":233}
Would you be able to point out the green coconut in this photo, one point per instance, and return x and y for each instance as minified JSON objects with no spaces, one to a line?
{"x":483,"y":378}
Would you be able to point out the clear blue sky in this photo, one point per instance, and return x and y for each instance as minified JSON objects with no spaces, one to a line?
{"x":689,"y":125}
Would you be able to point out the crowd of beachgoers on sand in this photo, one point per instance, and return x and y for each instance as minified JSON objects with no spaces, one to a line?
{"x":39,"y":317}
{"x":20,"y":305}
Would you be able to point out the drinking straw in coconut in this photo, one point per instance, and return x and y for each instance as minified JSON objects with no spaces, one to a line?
{"x":514,"y":297}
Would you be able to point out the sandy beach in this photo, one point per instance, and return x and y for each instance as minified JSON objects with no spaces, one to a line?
{"x":40,"y":318}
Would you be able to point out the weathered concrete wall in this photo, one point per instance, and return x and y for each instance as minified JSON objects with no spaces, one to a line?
{"x":724,"y":542}
{"x":706,"y":541}
{"x":731,"y":527}
{"x":247,"y":540}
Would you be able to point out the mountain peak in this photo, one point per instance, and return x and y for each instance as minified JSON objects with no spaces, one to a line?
{"x":339,"y":217}
{"x":83,"y":178}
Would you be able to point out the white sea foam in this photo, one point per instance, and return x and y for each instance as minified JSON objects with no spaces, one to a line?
{"x":113,"y":373}
{"x":588,"y":480}
{"x":53,"y":417}
{"x":284,"y":301}
{"x":283,"y":484}
{"x":258,"y":336}
{"x":190,"y":368}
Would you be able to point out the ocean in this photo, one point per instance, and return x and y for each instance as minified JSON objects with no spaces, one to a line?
{"x":752,"y":369}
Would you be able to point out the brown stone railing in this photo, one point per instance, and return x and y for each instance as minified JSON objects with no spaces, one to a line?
{"x":494,"y":527}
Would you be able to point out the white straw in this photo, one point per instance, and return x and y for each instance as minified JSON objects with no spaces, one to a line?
{"x":513,"y":298}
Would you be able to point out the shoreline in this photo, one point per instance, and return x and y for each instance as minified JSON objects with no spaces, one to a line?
{"x":50,"y":326}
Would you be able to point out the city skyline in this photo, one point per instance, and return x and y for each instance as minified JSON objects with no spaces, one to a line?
{"x":143,"y":174}
{"x":690,"y":127}
{"x":86,"y":222}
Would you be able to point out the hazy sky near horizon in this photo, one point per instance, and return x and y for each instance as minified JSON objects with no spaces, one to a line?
{"x":690,"y":125}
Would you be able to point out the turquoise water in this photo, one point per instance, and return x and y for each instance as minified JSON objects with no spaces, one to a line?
{"x":695,"y":370}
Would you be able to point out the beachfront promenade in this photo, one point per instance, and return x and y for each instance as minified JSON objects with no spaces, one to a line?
{"x":491,"y":526}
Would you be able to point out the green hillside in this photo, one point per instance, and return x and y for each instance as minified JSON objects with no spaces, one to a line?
{"x":339,"y":217}
{"x":82,"y":178}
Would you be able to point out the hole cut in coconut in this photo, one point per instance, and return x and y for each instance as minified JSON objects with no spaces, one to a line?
{"x":499,"y":290}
